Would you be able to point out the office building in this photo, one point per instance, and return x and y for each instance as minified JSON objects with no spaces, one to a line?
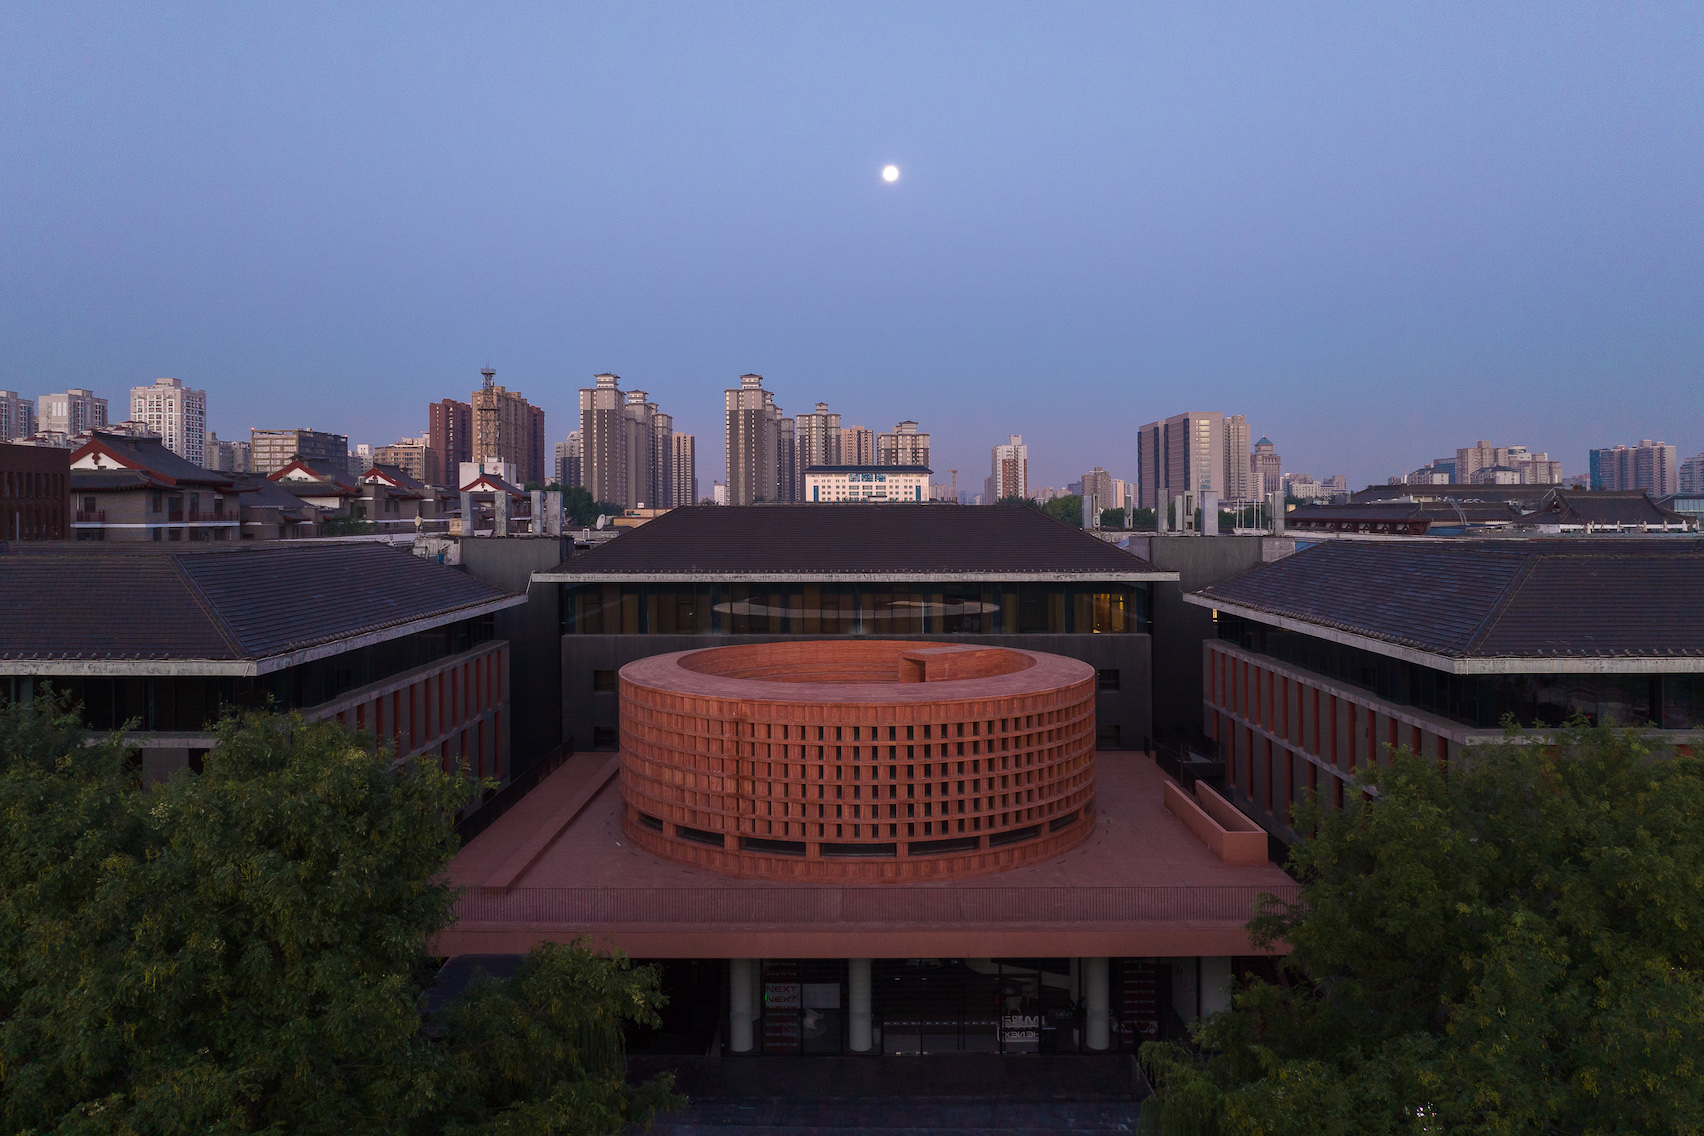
{"x":413,"y":456}
{"x":1692,"y":475}
{"x":507,"y":428}
{"x":857,"y":446}
{"x":227,"y":457}
{"x":753,"y":426}
{"x":1239,"y":483}
{"x":870,"y":484}
{"x":72,"y":412}
{"x":641,"y":451}
{"x":1649,"y":465}
{"x":1266,"y":470}
{"x":718,"y":493}
{"x":604,"y":438}
{"x":787,"y":480}
{"x":1008,"y":476}
{"x":685,"y":469}
{"x":1485,"y":464}
{"x":1182,"y":454}
{"x":819,"y":438}
{"x":450,"y":434}
{"x":176,"y":413}
{"x":271,"y":450}
{"x":17,"y":416}
{"x":569,"y":470}
{"x":1325,"y":658}
{"x":1098,"y":494}
{"x":35,"y":499}
{"x":904,"y":446}
{"x":661,"y":494}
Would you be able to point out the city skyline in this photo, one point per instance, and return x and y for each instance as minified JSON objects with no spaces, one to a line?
{"x":1374,"y":234}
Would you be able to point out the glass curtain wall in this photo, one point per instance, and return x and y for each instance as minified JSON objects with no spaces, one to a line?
{"x":856,"y":609}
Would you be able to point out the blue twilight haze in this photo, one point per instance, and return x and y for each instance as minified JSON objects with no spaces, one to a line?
{"x":1379,"y":231}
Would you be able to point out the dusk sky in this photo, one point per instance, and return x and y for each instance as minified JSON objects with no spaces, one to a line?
{"x":1379,"y":231}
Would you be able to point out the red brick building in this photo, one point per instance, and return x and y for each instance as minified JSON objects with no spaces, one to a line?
{"x":35,"y":492}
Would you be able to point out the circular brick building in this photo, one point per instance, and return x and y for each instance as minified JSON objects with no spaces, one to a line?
{"x":857,"y":760}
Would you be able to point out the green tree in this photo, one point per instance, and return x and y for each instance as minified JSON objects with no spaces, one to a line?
{"x":245,"y":950}
{"x":1066,"y":509}
{"x":1143,"y":519}
{"x":1112,"y":518}
{"x":582,"y":510}
{"x":1513,"y":946}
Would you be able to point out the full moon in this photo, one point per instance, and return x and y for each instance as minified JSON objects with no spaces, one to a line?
{"x":890,"y":173}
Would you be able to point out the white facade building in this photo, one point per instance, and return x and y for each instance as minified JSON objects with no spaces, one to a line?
{"x":72,"y":412}
{"x":17,"y":416}
{"x":883,"y":484}
{"x":177,"y":414}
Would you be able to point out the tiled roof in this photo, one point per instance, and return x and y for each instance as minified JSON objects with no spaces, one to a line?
{"x":224,"y":603}
{"x":400,"y":479}
{"x":493,"y":484}
{"x":1537,"y":598}
{"x":151,"y":454}
{"x":98,"y":480}
{"x":1600,"y":507}
{"x":854,"y":540}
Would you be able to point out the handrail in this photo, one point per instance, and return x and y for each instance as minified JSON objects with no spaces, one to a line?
{"x":871,"y":904}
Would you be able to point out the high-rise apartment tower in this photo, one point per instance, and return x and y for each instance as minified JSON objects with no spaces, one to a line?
{"x":753,"y":423}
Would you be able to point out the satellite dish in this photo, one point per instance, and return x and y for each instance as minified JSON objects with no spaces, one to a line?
{"x":603,"y":519}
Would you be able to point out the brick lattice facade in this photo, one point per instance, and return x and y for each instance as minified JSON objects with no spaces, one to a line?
{"x":857,"y":761}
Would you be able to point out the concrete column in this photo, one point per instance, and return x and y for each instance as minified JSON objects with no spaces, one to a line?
{"x":1209,"y":514}
{"x":467,"y":514}
{"x":500,"y":514}
{"x":537,"y":526}
{"x":1215,"y":984}
{"x":858,"y":1000}
{"x":740,"y":997}
{"x":1277,"y":505}
{"x":553,"y":513}
{"x":1097,"y":1030}
{"x":1161,"y":507}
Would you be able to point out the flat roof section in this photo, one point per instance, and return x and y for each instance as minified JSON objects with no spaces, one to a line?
{"x":852,"y":542}
{"x":557,"y":866}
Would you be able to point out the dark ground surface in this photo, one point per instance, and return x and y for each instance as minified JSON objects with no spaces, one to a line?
{"x":946,"y":1095}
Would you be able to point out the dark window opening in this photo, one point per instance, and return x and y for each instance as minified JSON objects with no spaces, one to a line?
{"x":939,"y":847}
{"x":777,"y":847}
{"x":1106,"y":679}
{"x":1108,"y":737}
{"x":1065,"y":821}
{"x":655,"y":824}
{"x":606,"y":738}
{"x":860,"y":849}
{"x":700,"y":836}
{"x":1014,"y":835}
{"x":603,"y":682}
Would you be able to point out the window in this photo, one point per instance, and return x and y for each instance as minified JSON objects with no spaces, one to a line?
{"x":1108,"y":737}
{"x":606,"y":738}
{"x":1106,"y":680}
{"x":603,"y":682}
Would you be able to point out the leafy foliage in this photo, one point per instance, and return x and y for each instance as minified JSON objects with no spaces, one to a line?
{"x":1112,"y":518}
{"x":1068,"y":509}
{"x":346,"y":526}
{"x":1516,"y":946}
{"x":245,"y":950}
{"x":582,"y":511}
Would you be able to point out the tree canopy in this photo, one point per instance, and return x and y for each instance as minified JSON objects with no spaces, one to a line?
{"x":1514,"y":945}
{"x":245,"y":950}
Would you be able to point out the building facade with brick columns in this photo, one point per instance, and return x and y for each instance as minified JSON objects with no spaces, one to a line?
{"x":1327,"y":660}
